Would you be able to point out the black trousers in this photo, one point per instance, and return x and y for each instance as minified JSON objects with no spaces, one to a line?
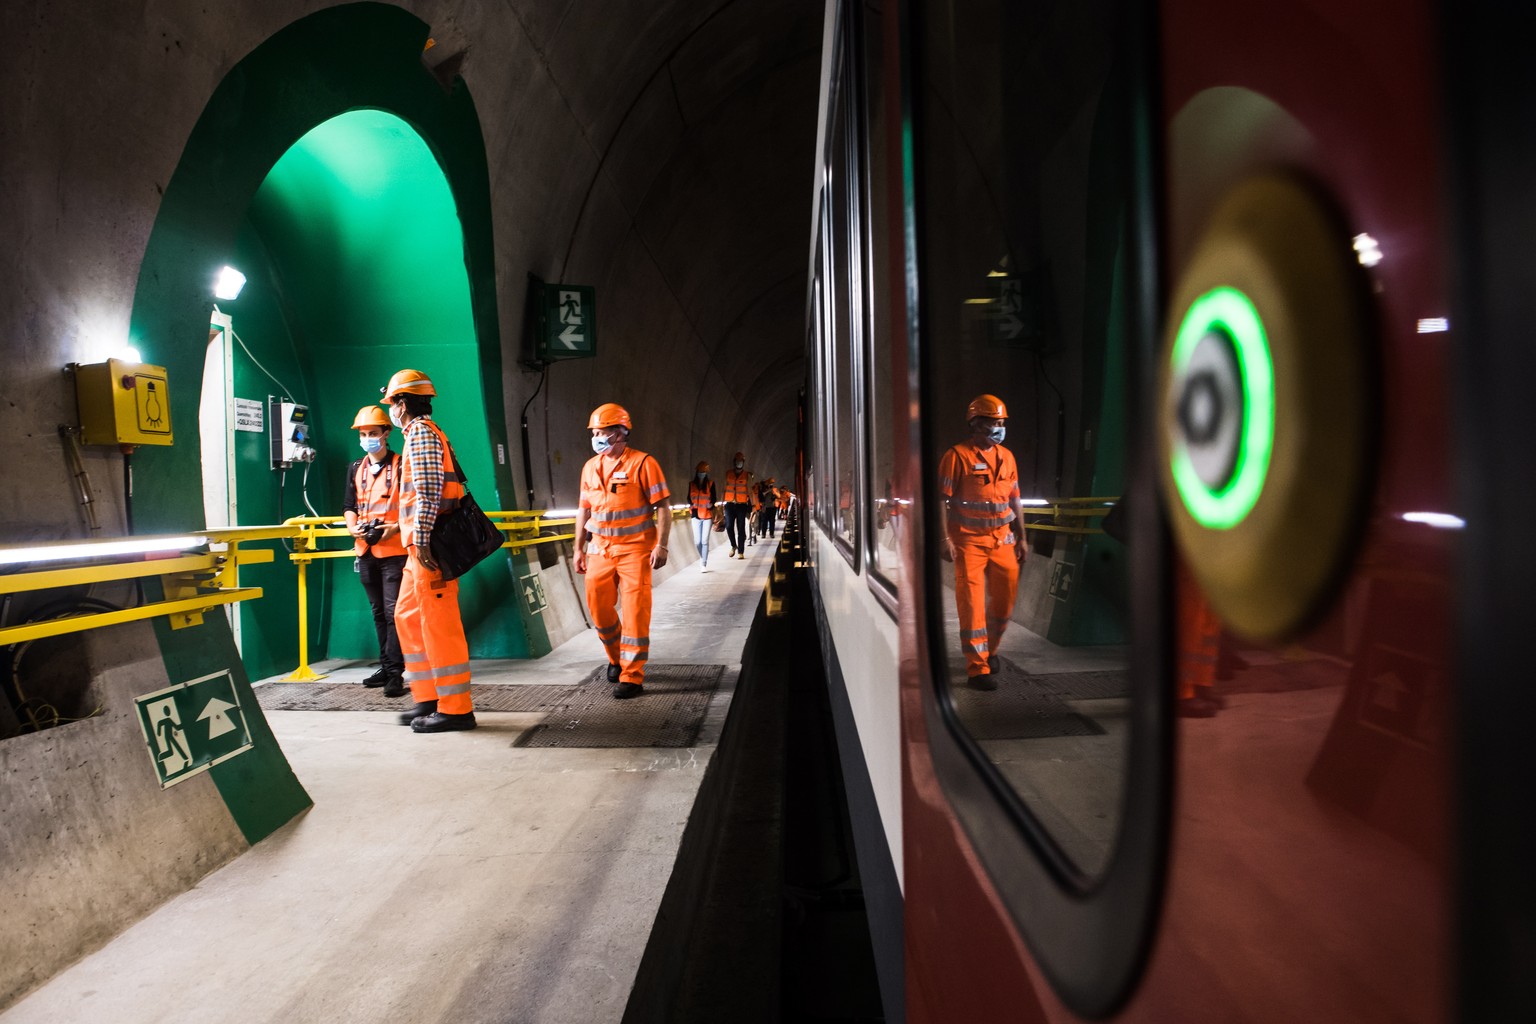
{"x":736,"y":513}
{"x":381,"y":581}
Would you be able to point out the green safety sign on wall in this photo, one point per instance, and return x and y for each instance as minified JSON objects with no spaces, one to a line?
{"x":567,"y":322}
{"x":192,"y":726}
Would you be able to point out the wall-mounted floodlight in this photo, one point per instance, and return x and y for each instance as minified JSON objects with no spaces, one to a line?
{"x":128,"y":354}
{"x":99,"y":549}
{"x":229,"y":284}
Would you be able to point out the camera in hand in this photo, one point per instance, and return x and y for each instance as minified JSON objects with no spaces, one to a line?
{"x":373,"y":532}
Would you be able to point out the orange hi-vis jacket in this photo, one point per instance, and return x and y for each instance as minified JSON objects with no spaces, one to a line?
{"x":620,"y":492}
{"x":448,"y":500}
{"x":738,"y":489}
{"x":378,"y":499}
{"x":701,"y":497}
{"x":979,"y":485}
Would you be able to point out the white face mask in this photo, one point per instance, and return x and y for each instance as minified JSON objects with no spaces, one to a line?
{"x":371,"y":444}
{"x":739,"y":464}
{"x":996,"y":434}
{"x":396,"y":416}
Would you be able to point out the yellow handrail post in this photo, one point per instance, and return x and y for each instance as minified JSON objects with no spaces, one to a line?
{"x":303,"y":674}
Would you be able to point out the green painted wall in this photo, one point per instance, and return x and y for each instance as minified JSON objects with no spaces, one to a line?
{"x":345,"y":58}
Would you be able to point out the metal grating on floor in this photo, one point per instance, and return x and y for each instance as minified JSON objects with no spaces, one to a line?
{"x":668,"y":714}
{"x":1026,"y":707}
{"x":356,"y":697}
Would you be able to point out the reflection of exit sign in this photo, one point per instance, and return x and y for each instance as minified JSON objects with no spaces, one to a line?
{"x":568,"y":322}
{"x":1061,"y":580}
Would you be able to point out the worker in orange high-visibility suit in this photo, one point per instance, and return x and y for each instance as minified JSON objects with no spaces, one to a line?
{"x":738,"y":505}
{"x":622,"y":526}
{"x":371,"y":507}
{"x":984,"y":534}
{"x":701,"y":511}
{"x":427,"y":615}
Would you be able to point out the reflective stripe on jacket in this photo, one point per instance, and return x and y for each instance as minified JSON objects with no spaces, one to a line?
{"x":701,"y":498}
{"x":738,"y":487}
{"x":378,"y":500}
{"x":979,"y":486}
{"x":447,"y":500}
{"x":619,"y":492}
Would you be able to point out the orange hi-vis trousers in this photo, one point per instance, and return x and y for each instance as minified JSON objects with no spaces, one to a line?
{"x":432,"y":639}
{"x":622,"y":577}
{"x":986,"y":582}
{"x":1199,"y":633}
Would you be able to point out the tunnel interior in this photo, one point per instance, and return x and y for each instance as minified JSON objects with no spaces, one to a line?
{"x":355,"y":262}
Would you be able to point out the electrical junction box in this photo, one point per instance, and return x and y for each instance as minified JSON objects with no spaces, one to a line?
{"x":289,"y":423}
{"x":123,"y":403}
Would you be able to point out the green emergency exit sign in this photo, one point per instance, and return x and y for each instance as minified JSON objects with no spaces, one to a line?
{"x":568,"y":322}
{"x":192,"y":726}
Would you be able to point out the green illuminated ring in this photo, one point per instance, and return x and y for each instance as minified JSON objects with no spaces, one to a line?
{"x":1230,"y":311}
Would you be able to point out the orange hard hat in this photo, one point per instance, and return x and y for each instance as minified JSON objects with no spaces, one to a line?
{"x":412,"y":382}
{"x":988,"y":406}
{"x":702,"y":467}
{"x":740,"y":456}
{"x":769,"y":481}
{"x":371,"y":416}
{"x":609,"y":415}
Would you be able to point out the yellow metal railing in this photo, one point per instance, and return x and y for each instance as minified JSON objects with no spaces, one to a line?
{"x":196,"y":580}
{"x":1068,"y":515}
{"x":193,"y":581}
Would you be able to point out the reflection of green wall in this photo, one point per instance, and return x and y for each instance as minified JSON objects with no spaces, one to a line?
{"x":295,"y":312}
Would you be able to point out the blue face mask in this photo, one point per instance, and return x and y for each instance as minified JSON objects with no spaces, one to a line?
{"x":700,"y":476}
{"x":996,"y":434}
{"x":601,"y":444}
{"x":371,"y":444}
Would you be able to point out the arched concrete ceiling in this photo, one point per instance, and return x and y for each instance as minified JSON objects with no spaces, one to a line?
{"x":691,"y":221}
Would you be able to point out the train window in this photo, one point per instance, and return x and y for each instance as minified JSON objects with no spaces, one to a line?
{"x":823,"y":355}
{"x":1024,"y":163}
{"x":887,"y":509}
{"x":845,"y":312}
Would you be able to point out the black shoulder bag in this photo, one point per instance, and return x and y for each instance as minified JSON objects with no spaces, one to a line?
{"x":463,"y":536}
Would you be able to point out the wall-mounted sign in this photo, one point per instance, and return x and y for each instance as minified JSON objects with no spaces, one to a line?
{"x":566,"y":326}
{"x":192,"y":726}
{"x":248,"y":415}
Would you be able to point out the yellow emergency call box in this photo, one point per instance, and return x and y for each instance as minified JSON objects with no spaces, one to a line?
{"x":123,"y":403}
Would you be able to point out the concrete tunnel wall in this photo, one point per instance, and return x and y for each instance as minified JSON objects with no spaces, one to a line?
{"x":661,"y":152}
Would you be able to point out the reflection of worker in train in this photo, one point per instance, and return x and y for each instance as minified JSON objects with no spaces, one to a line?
{"x":701,"y":511}
{"x":623,"y":501}
{"x":738,"y":505}
{"x":1199,"y":633}
{"x":432,"y":643}
{"x":371,"y":506}
{"x":985,"y":534}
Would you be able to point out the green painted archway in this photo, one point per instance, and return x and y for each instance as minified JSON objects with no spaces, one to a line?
{"x":354,"y":273}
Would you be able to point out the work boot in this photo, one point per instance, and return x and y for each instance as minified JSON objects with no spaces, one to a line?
{"x":983,"y":682}
{"x":613,"y":673}
{"x":421,"y":710}
{"x":624,"y":691}
{"x":379,"y":678}
{"x":439,"y":722}
{"x":992,"y":664}
{"x":395,"y":687}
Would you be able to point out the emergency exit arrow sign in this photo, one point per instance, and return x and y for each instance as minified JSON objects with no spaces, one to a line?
{"x":218,"y":721}
{"x":570,"y":336}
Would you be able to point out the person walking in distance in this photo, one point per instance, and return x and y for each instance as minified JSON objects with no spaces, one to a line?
{"x":701,"y":511}
{"x":432,"y":643}
{"x":738,"y":505}
{"x":984,"y":534}
{"x":622,"y":526}
{"x":371,"y":506}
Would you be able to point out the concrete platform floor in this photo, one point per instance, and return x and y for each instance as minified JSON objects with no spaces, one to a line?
{"x":438,"y":877}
